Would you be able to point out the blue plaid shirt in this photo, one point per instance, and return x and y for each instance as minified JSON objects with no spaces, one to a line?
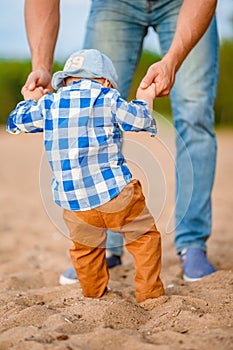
{"x":82,"y":126}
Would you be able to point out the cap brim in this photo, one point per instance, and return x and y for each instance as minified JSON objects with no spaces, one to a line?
{"x":58,"y":78}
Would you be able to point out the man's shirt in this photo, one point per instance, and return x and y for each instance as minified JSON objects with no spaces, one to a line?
{"x":82,"y":125}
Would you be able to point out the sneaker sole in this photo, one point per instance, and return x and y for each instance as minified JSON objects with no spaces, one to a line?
{"x":190,"y":279}
{"x":65,"y":280}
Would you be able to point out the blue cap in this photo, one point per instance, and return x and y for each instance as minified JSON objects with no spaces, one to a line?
{"x":87,"y":64}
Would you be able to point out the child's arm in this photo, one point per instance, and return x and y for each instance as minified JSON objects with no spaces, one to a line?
{"x":148,"y":95}
{"x":135,"y":115}
{"x":27,"y":116}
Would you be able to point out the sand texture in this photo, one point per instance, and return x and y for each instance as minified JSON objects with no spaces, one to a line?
{"x":37,"y":313}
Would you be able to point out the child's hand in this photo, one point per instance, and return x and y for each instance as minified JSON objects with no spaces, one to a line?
{"x":36,"y":94}
{"x":149,"y":92}
{"x":148,"y":95}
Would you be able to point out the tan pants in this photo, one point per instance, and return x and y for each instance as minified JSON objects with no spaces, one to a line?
{"x":127,"y":214}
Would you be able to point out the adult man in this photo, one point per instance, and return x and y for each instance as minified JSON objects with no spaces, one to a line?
{"x":118,"y":28}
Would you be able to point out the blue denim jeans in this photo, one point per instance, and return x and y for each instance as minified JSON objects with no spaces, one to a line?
{"x":117,"y":28}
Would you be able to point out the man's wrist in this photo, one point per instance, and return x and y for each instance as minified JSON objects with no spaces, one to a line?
{"x":42,"y":66}
{"x":172,"y":59}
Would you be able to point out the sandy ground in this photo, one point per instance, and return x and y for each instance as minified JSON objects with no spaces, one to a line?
{"x":37,"y":313}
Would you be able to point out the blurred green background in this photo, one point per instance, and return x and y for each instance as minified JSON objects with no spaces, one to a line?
{"x":13,"y":75}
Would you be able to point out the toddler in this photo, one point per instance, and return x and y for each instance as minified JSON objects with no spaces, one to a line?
{"x":82,"y":124}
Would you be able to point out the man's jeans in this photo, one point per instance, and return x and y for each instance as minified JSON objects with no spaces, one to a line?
{"x":117,"y":28}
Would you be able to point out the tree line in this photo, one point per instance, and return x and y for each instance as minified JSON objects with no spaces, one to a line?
{"x":13,"y":75}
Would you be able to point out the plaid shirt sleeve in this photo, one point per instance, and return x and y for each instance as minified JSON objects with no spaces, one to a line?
{"x":133,"y":116}
{"x":26,"y":117}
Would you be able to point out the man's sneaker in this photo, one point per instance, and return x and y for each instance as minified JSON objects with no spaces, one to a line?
{"x":113,"y":260}
{"x":70,"y":277}
{"x":195,"y":264}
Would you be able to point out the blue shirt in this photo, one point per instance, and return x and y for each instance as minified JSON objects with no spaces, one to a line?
{"x":82,"y":126}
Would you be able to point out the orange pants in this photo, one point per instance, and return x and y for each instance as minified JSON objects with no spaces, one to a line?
{"x":127,"y":214}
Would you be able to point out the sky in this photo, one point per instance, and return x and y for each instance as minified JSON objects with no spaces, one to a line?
{"x":13,"y":40}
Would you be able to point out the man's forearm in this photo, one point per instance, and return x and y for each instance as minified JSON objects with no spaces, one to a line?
{"x":42,"y":26}
{"x":194,"y":19}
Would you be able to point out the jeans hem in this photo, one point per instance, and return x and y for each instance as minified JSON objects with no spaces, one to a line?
{"x":191,"y":245}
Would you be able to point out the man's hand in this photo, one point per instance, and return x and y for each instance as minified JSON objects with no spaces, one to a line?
{"x":36,"y":94}
{"x":38,"y":78}
{"x":162,"y":74}
{"x":193,"y":20}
